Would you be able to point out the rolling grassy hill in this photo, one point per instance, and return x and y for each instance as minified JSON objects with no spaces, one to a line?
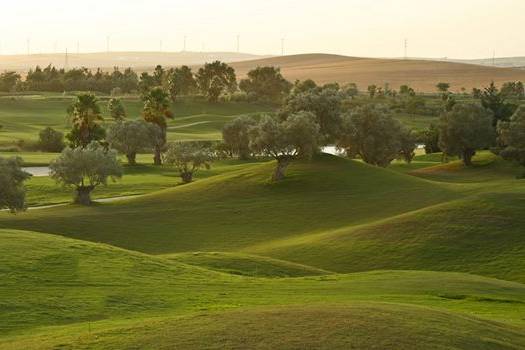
{"x":331,"y":214}
{"x":423,"y":75}
{"x":64,"y":293}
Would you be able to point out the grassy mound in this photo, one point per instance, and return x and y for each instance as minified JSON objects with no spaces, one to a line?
{"x":356,"y":326}
{"x":241,"y":208}
{"x":246,"y":265}
{"x":480,"y":234}
{"x":49,"y":281}
{"x":487,"y":167}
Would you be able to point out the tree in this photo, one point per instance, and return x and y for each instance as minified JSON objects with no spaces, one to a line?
{"x":407,"y":144}
{"x":235,"y":135}
{"x":12,"y":191}
{"x":157,"y":110}
{"x":372,"y":90}
{"x":512,"y":135}
{"x":513,"y":89}
{"x":465,"y":129}
{"x":132,"y":136}
{"x":443,"y":87}
{"x":371,"y":133}
{"x":430,"y":137}
{"x":85,"y":115}
{"x":188,"y":157}
{"x":350,"y":90}
{"x":216,"y":78}
{"x":180,"y":81}
{"x":303,"y":86}
{"x":493,"y":100}
{"x":266,"y":84}
{"x":9,"y":81}
{"x":116,"y":109}
{"x":85,"y":169}
{"x":285,"y":140}
{"x":406,"y":90}
{"x":325,"y":104}
{"x":51,"y":140}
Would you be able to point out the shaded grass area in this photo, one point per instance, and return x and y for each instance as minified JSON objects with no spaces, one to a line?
{"x":79,"y":286}
{"x":354,"y":326}
{"x":137,"y":180}
{"x":246,"y":264}
{"x":242,"y":208}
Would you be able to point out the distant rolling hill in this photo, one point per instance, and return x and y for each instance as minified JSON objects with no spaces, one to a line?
{"x":423,"y":75}
{"x":105,"y":60}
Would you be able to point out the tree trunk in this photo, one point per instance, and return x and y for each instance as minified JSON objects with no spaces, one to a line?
{"x":280,"y":169}
{"x":157,"y":158}
{"x":83,"y":195}
{"x":186,"y":176}
{"x":132,"y":156}
{"x":467,"y":156}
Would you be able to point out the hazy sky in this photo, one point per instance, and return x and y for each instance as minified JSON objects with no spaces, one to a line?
{"x":376,"y":28}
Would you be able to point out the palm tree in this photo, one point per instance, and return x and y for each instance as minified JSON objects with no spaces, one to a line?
{"x":85,"y":115}
{"x":157,"y":110}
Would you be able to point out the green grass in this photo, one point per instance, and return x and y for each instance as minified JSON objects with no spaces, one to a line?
{"x":246,"y":264}
{"x":339,"y":255}
{"x":242,"y":208}
{"x":137,"y":180}
{"x":59,"y":292}
{"x":23,"y":117}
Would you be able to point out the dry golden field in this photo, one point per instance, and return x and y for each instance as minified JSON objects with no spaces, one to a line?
{"x":422,"y":75}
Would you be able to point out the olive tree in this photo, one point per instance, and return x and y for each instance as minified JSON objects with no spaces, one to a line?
{"x":85,"y":169}
{"x":465,"y":129}
{"x":133,"y":136}
{"x":236,"y":138}
{"x":285,"y":140}
{"x":512,"y":135}
{"x":325,"y":104}
{"x":188,"y":157}
{"x":12,"y":191}
{"x":371,"y":133}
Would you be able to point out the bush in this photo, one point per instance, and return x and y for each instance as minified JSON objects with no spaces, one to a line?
{"x":51,"y":140}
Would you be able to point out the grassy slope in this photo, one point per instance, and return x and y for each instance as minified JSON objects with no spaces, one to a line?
{"x":23,"y":117}
{"x":137,"y":180}
{"x":325,"y":215}
{"x":236,"y":210}
{"x":104,"y":297}
{"x":246,"y":264}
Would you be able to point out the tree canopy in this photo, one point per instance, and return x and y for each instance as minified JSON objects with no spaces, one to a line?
{"x":285,"y":140}
{"x":188,"y":157}
{"x":512,"y":135}
{"x":465,"y":129}
{"x":12,"y":191}
{"x":180,"y":81}
{"x":116,"y":109}
{"x":157,"y":110}
{"x":215,"y":79}
{"x":235,"y":135}
{"x":371,"y":133}
{"x":324,"y":103}
{"x":266,"y":84}
{"x":86,"y":117}
{"x":132,"y":136}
